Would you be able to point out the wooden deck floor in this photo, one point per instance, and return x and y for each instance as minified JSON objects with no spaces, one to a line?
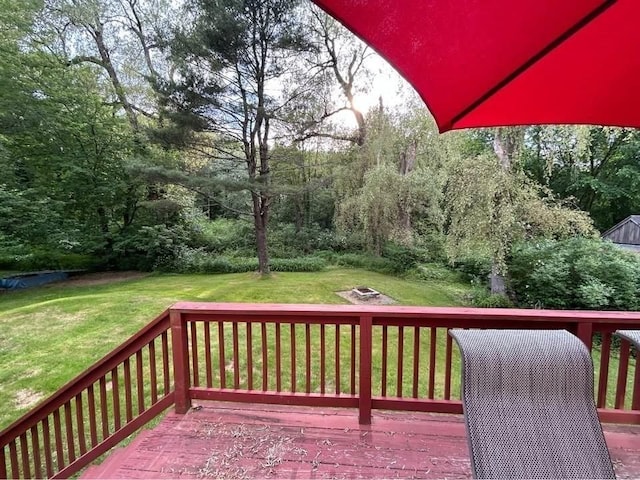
{"x":238,"y":441}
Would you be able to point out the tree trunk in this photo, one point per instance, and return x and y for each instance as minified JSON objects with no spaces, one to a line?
{"x":105,"y":56}
{"x":103,"y":222}
{"x":505,"y":145}
{"x":497,"y":281}
{"x":408,"y":158}
{"x":299,"y":211}
{"x":260,"y":221}
{"x":407,"y":164}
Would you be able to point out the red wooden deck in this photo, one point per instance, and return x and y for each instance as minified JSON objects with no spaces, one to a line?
{"x":243,"y":441}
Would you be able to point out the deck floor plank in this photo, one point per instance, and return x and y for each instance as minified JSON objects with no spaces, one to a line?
{"x":240,"y":441}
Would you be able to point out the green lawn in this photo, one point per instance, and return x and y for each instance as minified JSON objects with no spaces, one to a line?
{"x":51,"y":334}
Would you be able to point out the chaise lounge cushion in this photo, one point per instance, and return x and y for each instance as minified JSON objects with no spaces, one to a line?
{"x":529,"y":406}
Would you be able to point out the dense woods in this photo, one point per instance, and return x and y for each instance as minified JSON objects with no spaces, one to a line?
{"x":226,"y":135}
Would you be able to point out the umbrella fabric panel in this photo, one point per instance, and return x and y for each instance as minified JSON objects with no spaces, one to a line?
{"x":459,"y":54}
{"x":593,"y":78}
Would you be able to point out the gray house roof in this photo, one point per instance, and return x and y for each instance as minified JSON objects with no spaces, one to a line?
{"x":626,"y":232}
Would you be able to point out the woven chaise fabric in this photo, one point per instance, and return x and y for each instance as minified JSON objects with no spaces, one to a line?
{"x":631,"y":335}
{"x":529,"y":407}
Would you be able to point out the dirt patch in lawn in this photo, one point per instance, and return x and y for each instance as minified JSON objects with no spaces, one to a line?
{"x":99,"y":278}
{"x":27,"y":398}
{"x":381,"y":299}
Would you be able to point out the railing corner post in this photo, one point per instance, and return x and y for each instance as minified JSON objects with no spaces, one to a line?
{"x":364,"y":403}
{"x":585,"y":333}
{"x":181,"y":375}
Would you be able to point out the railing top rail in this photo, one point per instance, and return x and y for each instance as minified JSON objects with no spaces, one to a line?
{"x":86,"y":378}
{"x":452,"y":313}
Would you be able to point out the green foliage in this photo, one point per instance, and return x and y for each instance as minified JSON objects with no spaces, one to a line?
{"x":403,"y":258}
{"x":436,"y":272}
{"x":397,"y":259}
{"x":391,"y":188}
{"x":79,"y":178}
{"x":366,"y":261}
{"x":576,"y":273}
{"x":236,"y":238}
{"x":304,"y":185}
{"x":481,"y":209}
{"x":474,"y":268}
{"x":287,"y":241}
{"x":262,"y":42}
{"x":383,"y":206}
{"x":225,"y":236}
{"x":596,"y":167}
{"x":189,"y":260}
{"x":148,"y":247}
{"x":199,"y":261}
{"x":489,"y":208}
{"x":28,"y":217}
{"x":302,"y":264}
{"x":67,"y":175}
{"x":432,"y":243}
{"x":207,"y":263}
{"x":48,"y":260}
{"x":482,"y":298}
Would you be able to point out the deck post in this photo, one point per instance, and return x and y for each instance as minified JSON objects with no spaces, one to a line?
{"x":585,"y":333}
{"x":364,"y":406}
{"x":181,"y":375}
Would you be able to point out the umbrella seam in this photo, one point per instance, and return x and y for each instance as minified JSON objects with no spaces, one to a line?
{"x":531,"y":61}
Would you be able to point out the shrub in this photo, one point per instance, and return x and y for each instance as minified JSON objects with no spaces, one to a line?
{"x":147,"y":247}
{"x":402,"y":257}
{"x":433,"y":246}
{"x":200,"y":261}
{"x":482,"y":298}
{"x":225,"y":235}
{"x":287,"y":242}
{"x":368,"y":262}
{"x":475,"y":269}
{"x":215,"y":264}
{"x":48,"y":260}
{"x":302,"y":264}
{"x":575,"y":273}
{"x":435,"y":271}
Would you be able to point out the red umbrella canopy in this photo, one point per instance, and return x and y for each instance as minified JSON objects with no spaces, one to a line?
{"x":479,"y":63}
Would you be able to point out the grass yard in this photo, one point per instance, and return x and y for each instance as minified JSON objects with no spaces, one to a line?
{"x":50,"y":334}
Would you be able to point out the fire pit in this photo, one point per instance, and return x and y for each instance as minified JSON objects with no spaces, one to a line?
{"x":365,"y":292}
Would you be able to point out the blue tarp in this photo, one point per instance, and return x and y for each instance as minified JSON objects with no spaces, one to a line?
{"x":31,"y":279}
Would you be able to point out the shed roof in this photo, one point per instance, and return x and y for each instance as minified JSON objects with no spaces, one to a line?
{"x":631,"y":218}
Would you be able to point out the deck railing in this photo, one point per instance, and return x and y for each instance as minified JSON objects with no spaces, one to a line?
{"x":95,"y":411}
{"x":316,"y":355}
{"x":372,"y":357}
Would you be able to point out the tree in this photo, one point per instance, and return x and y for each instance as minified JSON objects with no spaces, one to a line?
{"x":393,"y":179}
{"x":68,"y":145}
{"x":597,"y":167}
{"x":230,"y":63}
{"x":491,"y":205}
{"x":490,"y":208}
{"x":336,"y":58}
{"x":303,"y":184}
{"x":113,"y":35}
{"x":66,"y":154}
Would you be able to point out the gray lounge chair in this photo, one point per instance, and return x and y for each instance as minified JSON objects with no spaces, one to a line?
{"x":632,"y":336}
{"x":529,"y":406}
